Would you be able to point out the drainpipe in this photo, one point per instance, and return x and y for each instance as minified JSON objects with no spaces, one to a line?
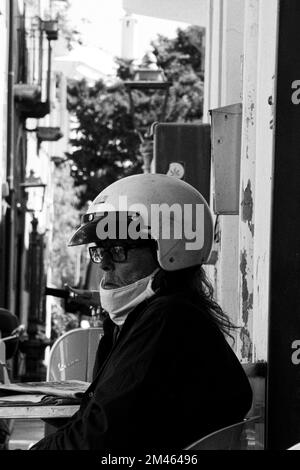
{"x":10,"y":214}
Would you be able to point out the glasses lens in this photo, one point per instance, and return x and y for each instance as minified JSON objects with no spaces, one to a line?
{"x":117,"y":253}
{"x":95,"y":254}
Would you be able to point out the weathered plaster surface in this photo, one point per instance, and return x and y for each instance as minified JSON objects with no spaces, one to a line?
{"x":247,"y":207}
{"x":247,"y":308}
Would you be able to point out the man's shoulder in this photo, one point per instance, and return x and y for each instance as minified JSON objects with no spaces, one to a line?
{"x":170,"y":306}
{"x":169,"y":301}
{"x":180,"y":311}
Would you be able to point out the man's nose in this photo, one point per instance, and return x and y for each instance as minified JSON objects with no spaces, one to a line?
{"x":107,"y":263}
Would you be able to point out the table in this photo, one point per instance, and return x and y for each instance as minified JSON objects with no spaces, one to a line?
{"x":38,"y":411}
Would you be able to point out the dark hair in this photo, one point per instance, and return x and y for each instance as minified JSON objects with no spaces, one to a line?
{"x":194,"y":281}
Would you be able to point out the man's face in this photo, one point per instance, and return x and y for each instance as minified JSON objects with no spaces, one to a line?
{"x":140,"y":263}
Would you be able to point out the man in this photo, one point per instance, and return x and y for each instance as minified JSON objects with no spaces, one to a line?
{"x":164,"y":374}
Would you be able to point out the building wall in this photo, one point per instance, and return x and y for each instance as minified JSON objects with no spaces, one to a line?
{"x":40,"y":158}
{"x":3,"y":112}
{"x":240,"y":67}
{"x":226,"y":36}
{"x":242,"y":46}
{"x":267,"y":44}
{"x":12,"y":156}
{"x":188,"y":11}
{"x":25,"y":155}
{"x":3,"y":89}
{"x":243,"y":33}
{"x":247,"y":181}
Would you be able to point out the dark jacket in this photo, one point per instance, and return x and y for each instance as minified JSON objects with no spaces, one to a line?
{"x":168,"y":379}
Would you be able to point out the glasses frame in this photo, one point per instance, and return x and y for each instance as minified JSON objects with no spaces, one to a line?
{"x":125,"y":247}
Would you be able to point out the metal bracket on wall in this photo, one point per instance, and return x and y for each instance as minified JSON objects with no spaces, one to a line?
{"x":226,"y":136}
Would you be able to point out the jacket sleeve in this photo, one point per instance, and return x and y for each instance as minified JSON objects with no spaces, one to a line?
{"x":111,"y":405}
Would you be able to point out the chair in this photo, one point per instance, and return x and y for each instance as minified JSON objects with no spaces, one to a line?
{"x":238,"y":436}
{"x":8,"y":323}
{"x":9,"y":339}
{"x":72,"y":356}
{"x":3,"y":367}
{"x":294,"y":447}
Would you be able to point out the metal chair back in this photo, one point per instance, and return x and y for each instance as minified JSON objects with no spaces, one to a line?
{"x":238,"y":436}
{"x":72,"y":356}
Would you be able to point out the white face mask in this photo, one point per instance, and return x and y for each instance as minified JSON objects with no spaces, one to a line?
{"x":121,"y":301}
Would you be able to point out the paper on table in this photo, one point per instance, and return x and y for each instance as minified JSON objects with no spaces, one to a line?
{"x":65,"y":388}
{"x":40,"y":400}
{"x":12,"y":399}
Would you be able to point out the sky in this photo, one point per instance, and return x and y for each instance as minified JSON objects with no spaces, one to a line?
{"x":99,"y":22}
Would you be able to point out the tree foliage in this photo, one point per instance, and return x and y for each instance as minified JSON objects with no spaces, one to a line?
{"x":105,"y":145}
{"x":182,"y":60}
{"x":66,"y":219}
{"x":106,"y":139}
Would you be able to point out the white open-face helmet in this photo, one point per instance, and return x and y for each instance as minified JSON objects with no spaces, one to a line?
{"x":152,"y":206}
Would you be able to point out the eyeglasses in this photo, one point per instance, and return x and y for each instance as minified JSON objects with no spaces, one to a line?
{"x":118,"y":253}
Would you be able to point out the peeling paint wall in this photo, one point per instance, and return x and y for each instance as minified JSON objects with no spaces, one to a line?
{"x":247,"y":207}
{"x":240,"y":67}
{"x":247,"y":297}
{"x":263,"y":179}
{"x":247,"y":182}
{"x":231,"y":92}
{"x":227,"y":17}
{"x":241,"y":274}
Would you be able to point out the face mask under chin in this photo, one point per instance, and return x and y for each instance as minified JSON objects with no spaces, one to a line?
{"x":119,"y":302}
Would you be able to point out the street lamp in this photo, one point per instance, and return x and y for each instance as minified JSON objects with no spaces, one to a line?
{"x":51,"y":29}
{"x":35,"y":190}
{"x":148,"y":76}
{"x":34,"y":347}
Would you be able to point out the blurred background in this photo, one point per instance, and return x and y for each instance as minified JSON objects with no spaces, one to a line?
{"x":203,"y":90}
{"x":73,"y":126}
